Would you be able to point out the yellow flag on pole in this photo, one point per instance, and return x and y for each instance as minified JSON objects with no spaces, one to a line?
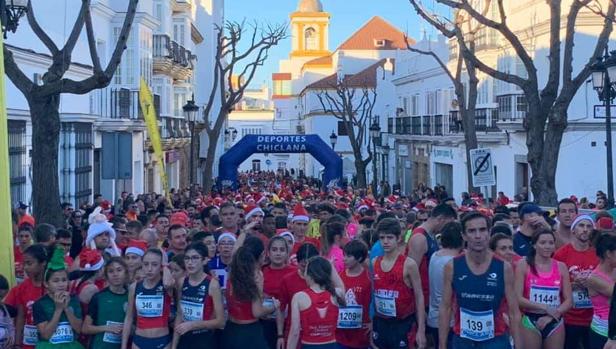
{"x":6,"y":233}
{"x":149,"y":114}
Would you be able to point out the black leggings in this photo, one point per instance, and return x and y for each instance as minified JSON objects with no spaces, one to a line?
{"x":244,"y":336}
{"x":198,"y":339}
{"x":270,"y":331}
{"x":576,"y":335}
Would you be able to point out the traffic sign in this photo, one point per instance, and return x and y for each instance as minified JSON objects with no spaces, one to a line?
{"x":482,"y":167}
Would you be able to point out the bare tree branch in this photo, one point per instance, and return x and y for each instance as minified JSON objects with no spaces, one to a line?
{"x":39,"y":32}
{"x":96,"y":62}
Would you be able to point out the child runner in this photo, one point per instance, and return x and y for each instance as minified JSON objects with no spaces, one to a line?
{"x":544,"y":292}
{"x":600,"y":288}
{"x":133,"y":256}
{"x":25,"y":294}
{"x":57,"y":315}
{"x":24,"y":236}
{"x":107,"y":310}
{"x":278,"y":252}
{"x":399,"y":301}
{"x":200,"y":299}
{"x":354,"y":319}
{"x":334,"y":232}
{"x":314,"y":311}
{"x":149,"y":305}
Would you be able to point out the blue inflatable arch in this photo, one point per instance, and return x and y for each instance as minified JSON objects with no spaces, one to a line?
{"x":251,"y":144}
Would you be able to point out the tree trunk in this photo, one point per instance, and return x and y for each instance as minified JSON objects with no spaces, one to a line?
{"x":470,"y":141}
{"x":45,"y":137}
{"x":360,"y":169}
{"x":208,"y":168}
{"x":535,"y":120}
{"x":551,"y":149}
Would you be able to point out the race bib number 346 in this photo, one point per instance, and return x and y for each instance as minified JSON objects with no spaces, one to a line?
{"x":149,"y":306}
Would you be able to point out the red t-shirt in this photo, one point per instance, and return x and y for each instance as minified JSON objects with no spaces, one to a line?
{"x":578,"y":262}
{"x":358,"y":292}
{"x":272,"y":280}
{"x":290,"y":285}
{"x":24,"y":295}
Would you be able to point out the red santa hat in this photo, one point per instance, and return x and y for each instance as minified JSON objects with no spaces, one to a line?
{"x":137,"y":247}
{"x":288,"y":234}
{"x":90,"y":260}
{"x":300,"y":214}
{"x":179,"y":218}
{"x":251,"y":210}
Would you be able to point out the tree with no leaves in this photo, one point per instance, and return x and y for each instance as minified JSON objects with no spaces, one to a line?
{"x":351,"y":101}
{"x":234,"y":70}
{"x":44,"y":101}
{"x":547,"y":114}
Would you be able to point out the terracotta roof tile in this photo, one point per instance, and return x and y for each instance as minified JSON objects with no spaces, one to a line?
{"x":365,"y":78}
{"x":376,"y":29}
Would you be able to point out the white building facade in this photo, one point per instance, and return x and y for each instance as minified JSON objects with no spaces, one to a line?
{"x":428,"y":143}
{"x":163,"y":48}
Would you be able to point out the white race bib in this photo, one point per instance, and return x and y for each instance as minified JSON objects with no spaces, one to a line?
{"x":549,"y":296}
{"x":63,"y":334}
{"x":581,"y":300}
{"x":149,"y":306}
{"x":192,"y":311}
{"x":385,"y":306}
{"x":112,"y":337}
{"x":30,"y":335}
{"x":476,"y":325}
{"x":350,"y":316}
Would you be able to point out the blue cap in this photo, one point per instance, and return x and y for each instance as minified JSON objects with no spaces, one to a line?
{"x":530,"y":208}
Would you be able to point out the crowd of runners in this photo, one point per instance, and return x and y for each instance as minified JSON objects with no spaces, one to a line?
{"x":280,"y":264}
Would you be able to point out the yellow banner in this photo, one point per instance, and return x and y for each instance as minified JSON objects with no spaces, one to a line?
{"x":6,"y":233}
{"x":149,"y":115}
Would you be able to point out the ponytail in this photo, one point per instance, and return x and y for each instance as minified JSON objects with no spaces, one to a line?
{"x":320,"y":270}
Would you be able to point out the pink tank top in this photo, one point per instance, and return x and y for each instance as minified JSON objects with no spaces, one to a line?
{"x":544,"y":288}
{"x":601,"y":306}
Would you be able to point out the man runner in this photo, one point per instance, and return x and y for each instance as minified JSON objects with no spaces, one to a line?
{"x":581,"y":259}
{"x":477,"y":288}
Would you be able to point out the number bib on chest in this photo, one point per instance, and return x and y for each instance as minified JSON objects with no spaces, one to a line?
{"x":581,"y":300}
{"x":192,"y":311}
{"x":113,"y":338}
{"x":476,"y":325}
{"x":385,"y":306}
{"x":30,"y":335}
{"x":63,"y":334}
{"x":149,"y":306}
{"x":350,"y":316}
{"x":549,"y":296}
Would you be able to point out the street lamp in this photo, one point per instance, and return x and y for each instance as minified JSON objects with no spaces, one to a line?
{"x":603,"y":80}
{"x":190,"y":111}
{"x":375,"y":132}
{"x":333,"y":139}
{"x":10,"y":13}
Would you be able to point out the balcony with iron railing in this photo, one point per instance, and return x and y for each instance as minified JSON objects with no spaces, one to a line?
{"x":113,"y":104}
{"x":171,"y":58}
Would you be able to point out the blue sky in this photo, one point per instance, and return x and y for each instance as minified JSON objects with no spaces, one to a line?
{"x":346,"y":17}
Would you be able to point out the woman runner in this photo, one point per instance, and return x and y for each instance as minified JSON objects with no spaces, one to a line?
{"x":57,"y":315}
{"x":149,"y":305}
{"x":544,"y":292}
{"x":244,"y":296}
{"x":314,"y":311}
{"x":600,"y":289}
{"x":200,"y":303}
{"x":107,"y":309}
